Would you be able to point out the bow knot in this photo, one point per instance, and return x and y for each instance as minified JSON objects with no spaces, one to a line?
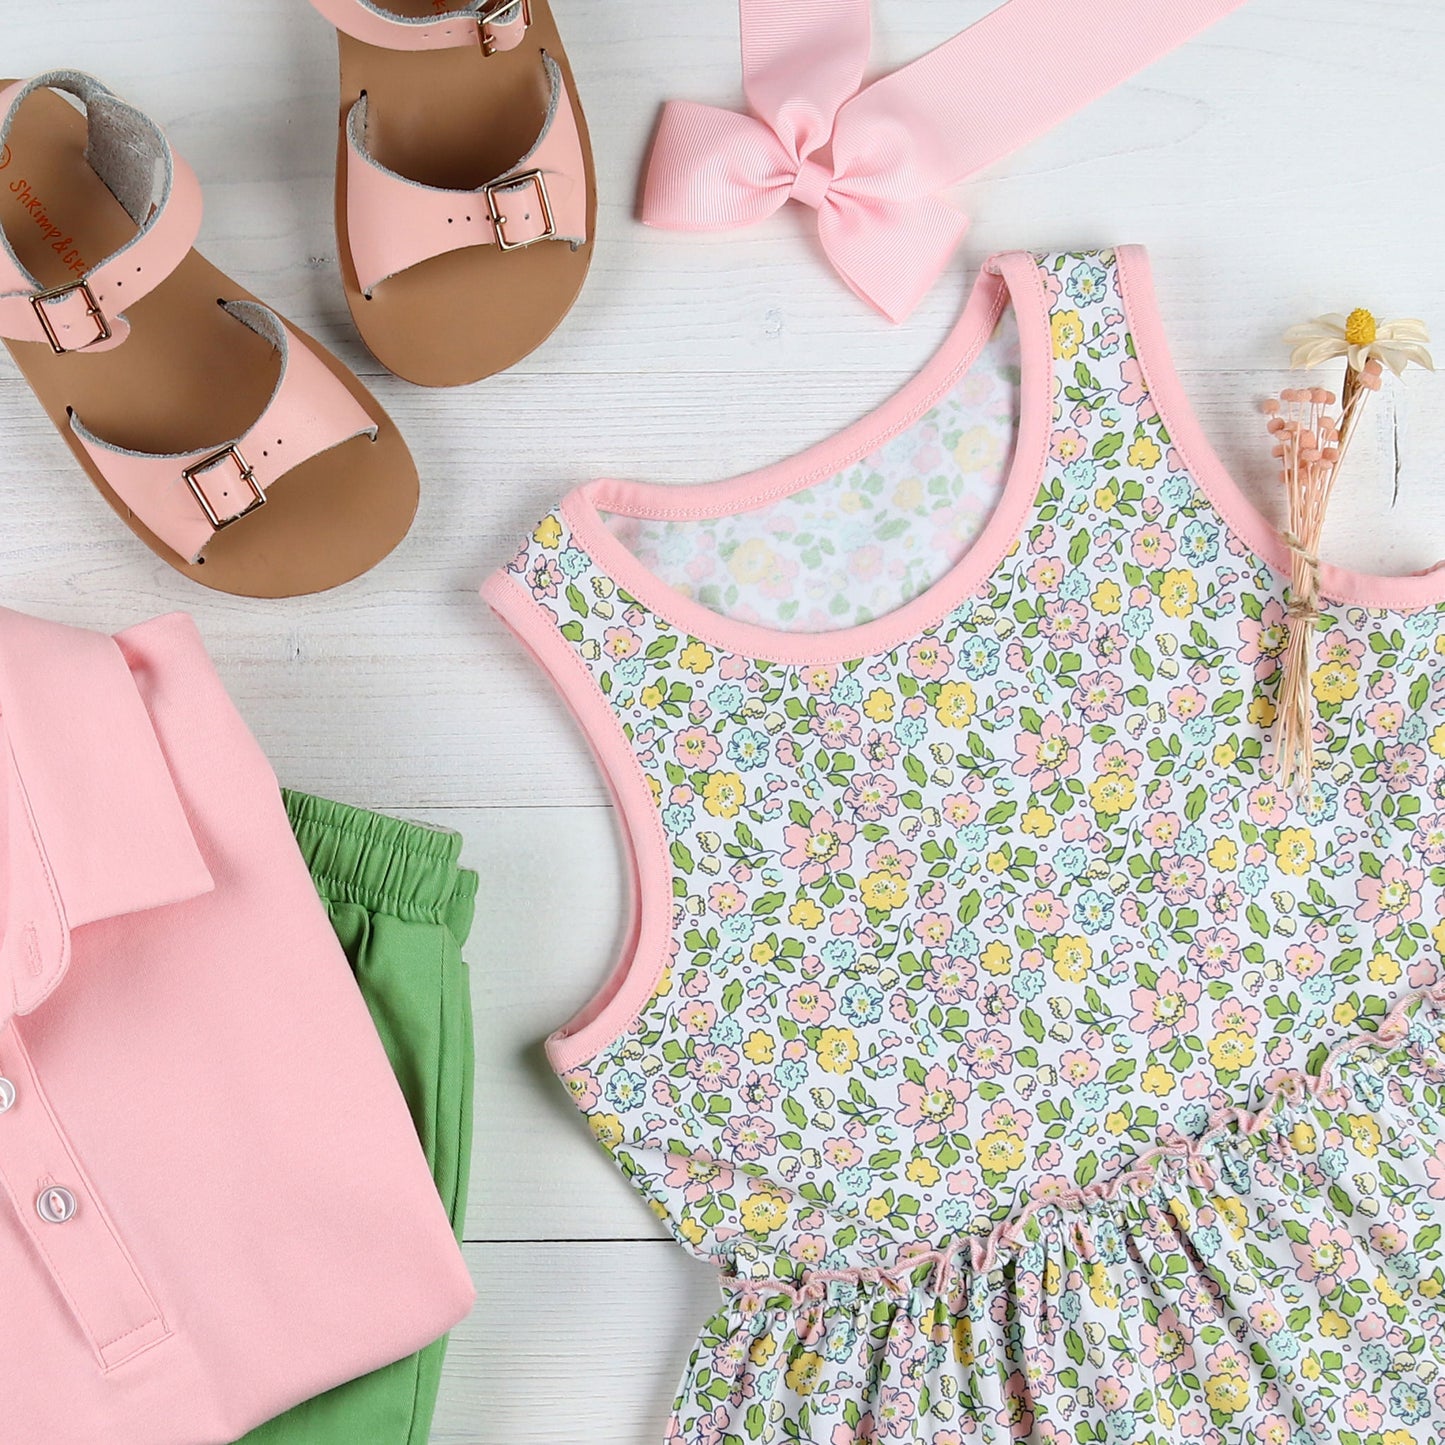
{"x":895,"y":144}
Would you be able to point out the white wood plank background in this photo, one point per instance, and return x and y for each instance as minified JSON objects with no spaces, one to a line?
{"x":1285,"y":164}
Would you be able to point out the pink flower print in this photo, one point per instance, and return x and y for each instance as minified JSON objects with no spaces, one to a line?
{"x":1429,"y":839}
{"x":620,"y":643}
{"x":895,"y":1412}
{"x":1046,"y":574}
{"x":837,"y":726}
{"x":1067,"y":446}
{"x":1016,"y":1412}
{"x":1078,"y":1067}
{"x":1044,"y":912}
{"x":1099,"y":695}
{"x":732,"y":668}
{"x":1003,"y":1117}
{"x":808,"y":1003}
{"x":1214,"y":953}
{"x":1363,"y":1411}
{"x":842,"y":1153}
{"x":1167,"y":1347}
{"x":845,"y":923}
{"x":1152,"y":546}
{"x":929,"y":659}
{"x":698,"y":1018}
{"x":786,"y":751}
{"x":714,"y":1067}
{"x":696,"y":748}
{"x":1389,"y":1239}
{"x":1435,"y":1168}
{"x":1391,"y":899}
{"x":1327,"y":1258}
{"x":933,"y":929}
{"x":997,"y":1002}
{"x":820,"y":847}
{"x":820,"y":680}
{"x":1266,"y":1318}
{"x":726,"y":899}
{"x":698,"y":1176}
{"x":750,"y":1137}
{"x":1186,"y":703}
{"x":1136,"y":390}
{"x":759,"y":1091}
{"x":1167,"y":1010}
{"x":1108,"y":644}
{"x":985,"y":1053}
{"x":1403,"y":767}
{"x":947,"y":979}
{"x":1234,"y":1013}
{"x":1163,"y":829}
{"x":1268,"y":805}
{"x":1049,"y":754}
{"x":872,"y":796}
{"x":1225,"y":900}
{"x":809,"y":1249}
{"x":1064,"y":624}
{"x":1385,"y":719}
{"x":583,"y":1086}
{"x":1180,"y":879}
{"x":888,"y":857}
{"x":1264,"y":640}
{"x":544,"y":578}
{"x":881,"y":748}
{"x":936,"y":1105}
{"x":863,"y":1434}
{"x":1120,"y":762}
{"x":959,"y":810}
{"x":1337,"y":646}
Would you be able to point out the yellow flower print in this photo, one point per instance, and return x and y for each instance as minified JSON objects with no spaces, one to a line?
{"x":1310,"y":1366}
{"x":879,"y":705}
{"x":1144,"y":454}
{"x":652,"y":695}
{"x":723,"y":794}
{"x":548,"y":533}
{"x":997,"y":861}
{"x":837,"y":1050}
{"x":963,"y":1347}
{"x":804,"y":1373}
{"x":753,"y":561}
{"x":1102,"y":1289}
{"x":1227,"y":1391}
{"x":1335,"y":1325}
{"x":956,"y":705}
{"x":1112,"y":794}
{"x":1399,"y":1437}
{"x":608,"y":1129}
{"x":695,"y":658}
{"x":765,"y":1212}
{"x":1234,"y":1215}
{"x":655,"y":788}
{"x":877,"y":1209}
{"x":760,"y":1047}
{"x":1073,"y":957}
{"x":692,"y":1231}
{"x":761,"y":1350}
{"x":1384,"y":969}
{"x":923,"y":1172}
{"x":1262,"y":712}
{"x":1157,"y":1080}
{"x":1068,"y":328}
{"x":1303,"y":1138}
{"x":1178,"y":593}
{"x":1437,"y":741}
{"x":1224,"y":855}
{"x":1365,"y":1132}
{"x":1107,"y":598}
{"x":1295,"y":851}
{"x":1224,"y":755}
{"x":1000,"y":1152}
{"x":805,"y":914}
{"x":762,"y":953}
{"x":1105,"y":499}
{"x":1345,"y":1014}
{"x":997,"y":958}
{"x":1335,"y":682}
{"x":1038,"y":822}
{"x":884,"y":891}
{"x":1230,"y":1050}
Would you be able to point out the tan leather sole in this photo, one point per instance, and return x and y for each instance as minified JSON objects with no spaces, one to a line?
{"x":457,"y":119}
{"x":190,"y":376}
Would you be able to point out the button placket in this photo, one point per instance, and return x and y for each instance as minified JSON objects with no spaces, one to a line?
{"x":56,"y":1206}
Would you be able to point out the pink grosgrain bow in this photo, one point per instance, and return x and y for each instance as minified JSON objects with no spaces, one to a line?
{"x":871,"y":161}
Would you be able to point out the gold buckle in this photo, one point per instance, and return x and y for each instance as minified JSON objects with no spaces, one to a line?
{"x":499,"y":221}
{"x":92,"y":309}
{"x":231,"y":454}
{"x":488,"y":13}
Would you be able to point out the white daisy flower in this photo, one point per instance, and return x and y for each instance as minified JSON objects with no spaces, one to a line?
{"x":1362,"y":338}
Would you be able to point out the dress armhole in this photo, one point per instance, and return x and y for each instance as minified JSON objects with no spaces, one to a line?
{"x":645,"y":952}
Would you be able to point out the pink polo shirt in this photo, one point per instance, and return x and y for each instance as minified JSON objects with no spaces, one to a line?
{"x":213,"y":1204}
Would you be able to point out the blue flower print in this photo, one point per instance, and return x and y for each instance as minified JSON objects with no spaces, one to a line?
{"x":748,"y":748}
{"x":626,"y":1089}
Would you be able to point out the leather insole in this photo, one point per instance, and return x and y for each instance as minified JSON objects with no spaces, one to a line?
{"x":190,"y":376}
{"x":458,"y":119}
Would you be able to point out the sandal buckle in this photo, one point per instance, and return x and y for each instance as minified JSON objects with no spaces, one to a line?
{"x":231,"y":454}
{"x":82,"y":289}
{"x":487,"y":17}
{"x":499,"y":221}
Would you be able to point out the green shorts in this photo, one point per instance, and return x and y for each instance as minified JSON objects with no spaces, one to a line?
{"x":402,"y":909}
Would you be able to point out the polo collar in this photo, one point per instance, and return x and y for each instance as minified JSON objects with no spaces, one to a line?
{"x":91,"y":826}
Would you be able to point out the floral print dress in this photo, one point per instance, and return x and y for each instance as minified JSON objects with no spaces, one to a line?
{"x":1031,"y":1066}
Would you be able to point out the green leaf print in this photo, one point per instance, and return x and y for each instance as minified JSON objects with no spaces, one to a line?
{"x":576,"y":601}
{"x":681,"y":858}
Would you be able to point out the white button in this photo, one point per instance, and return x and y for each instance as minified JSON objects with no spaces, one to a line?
{"x":56,"y":1205}
{"x":7,"y":1095}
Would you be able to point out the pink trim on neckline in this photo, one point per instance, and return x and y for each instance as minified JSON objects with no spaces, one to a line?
{"x":1362,"y":589}
{"x":648,"y":941}
{"x":1014,"y":277}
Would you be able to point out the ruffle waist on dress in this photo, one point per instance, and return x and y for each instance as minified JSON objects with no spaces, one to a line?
{"x":1277,"y":1280}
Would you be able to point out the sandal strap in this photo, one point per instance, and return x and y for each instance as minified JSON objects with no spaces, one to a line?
{"x":495,"y":24}
{"x":185,"y":498}
{"x":160,"y":193}
{"x":395,"y":223}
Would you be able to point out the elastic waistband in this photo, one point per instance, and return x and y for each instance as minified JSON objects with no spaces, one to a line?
{"x":386,"y":865}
